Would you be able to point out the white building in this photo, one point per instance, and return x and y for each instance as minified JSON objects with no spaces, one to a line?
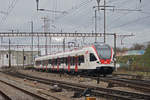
{"x":17,"y":58}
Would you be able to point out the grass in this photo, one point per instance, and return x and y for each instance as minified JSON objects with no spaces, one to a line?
{"x":138,"y":63}
{"x":131,"y":72}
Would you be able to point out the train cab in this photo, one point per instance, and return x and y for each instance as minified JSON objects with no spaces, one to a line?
{"x":104,"y":54}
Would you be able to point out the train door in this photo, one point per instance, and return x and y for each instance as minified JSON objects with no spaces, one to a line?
{"x":68,"y":62}
{"x":52,"y":64}
{"x":76,"y":63}
{"x":92,"y":60}
{"x":58,"y":62}
{"x":86,"y":59}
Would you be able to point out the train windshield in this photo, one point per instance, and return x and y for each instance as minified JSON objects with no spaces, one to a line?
{"x":104,"y":51}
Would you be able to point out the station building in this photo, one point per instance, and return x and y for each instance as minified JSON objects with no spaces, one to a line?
{"x":17,"y":58}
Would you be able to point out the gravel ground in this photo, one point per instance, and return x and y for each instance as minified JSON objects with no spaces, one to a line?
{"x":65,"y":77}
{"x":1,"y":97}
{"x":65,"y":95}
{"x":45,"y":89}
{"x":74,"y":79}
{"x":14,"y":93}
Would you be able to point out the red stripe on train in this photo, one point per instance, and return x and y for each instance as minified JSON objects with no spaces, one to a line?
{"x":76,"y":64}
{"x":58,"y":64}
{"x":68,"y":64}
{"x":46,"y":67}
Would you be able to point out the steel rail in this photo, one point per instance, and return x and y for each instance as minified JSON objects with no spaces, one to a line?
{"x":27,"y":92}
{"x":135,"y":85}
{"x":4,"y":95}
{"x":142,"y":85}
{"x":98,"y":91}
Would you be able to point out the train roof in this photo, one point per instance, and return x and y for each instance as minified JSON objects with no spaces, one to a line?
{"x":70,"y":52}
{"x":61,"y":54}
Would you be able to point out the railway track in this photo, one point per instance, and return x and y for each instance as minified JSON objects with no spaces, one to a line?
{"x":23,"y":89}
{"x":142,"y":85}
{"x":95,"y":91}
{"x":118,"y":80}
{"x":4,"y":96}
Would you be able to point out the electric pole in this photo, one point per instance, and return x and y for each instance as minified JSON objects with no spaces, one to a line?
{"x":104,"y":21}
{"x":115,"y":45}
{"x":64,"y":44}
{"x":104,"y":6}
{"x":38,"y":46}
{"x":9,"y":55}
{"x":32,"y":42}
{"x":46,"y":28}
{"x":23,"y":58}
{"x":95,"y":25}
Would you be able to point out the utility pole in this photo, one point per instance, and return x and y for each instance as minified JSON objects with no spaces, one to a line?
{"x":50,"y":42}
{"x":104,"y":6}
{"x":64,"y":44}
{"x":95,"y":25}
{"x":23,"y":58}
{"x":17,"y":55}
{"x":115,"y":45}
{"x":104,"y":21}
{"x":9,"y":55}
{"x":32,"y":42}
{"x":45,"y":27}
{"x":112,"y":10}
{"x":38,"y":46}
{"x":37,"y":5}
{"x":45,"y":44}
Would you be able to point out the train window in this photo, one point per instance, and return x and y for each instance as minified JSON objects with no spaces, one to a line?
{"x":45,"y":62}
{"x":81,"y":59}
{"x":6,"y":55}
{"x":54,"y":61}
{"x":92,"y":57}
{"x":72,"y":60}
{"x":38,"y":63}
{"x":61,"y":60}
{"x":65,"y":60}
{"x":68,"y":60}
{"x":50,"y":61}
{"x":24,"y":58}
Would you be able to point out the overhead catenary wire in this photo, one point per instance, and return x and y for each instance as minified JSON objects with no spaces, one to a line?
{"x":133,"y":21}
{"x":9,"y":10}
{"x":128,"y":11}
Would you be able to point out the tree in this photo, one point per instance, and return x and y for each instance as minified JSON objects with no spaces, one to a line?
{"x":146,"y":57}
{"x":137,"y":47}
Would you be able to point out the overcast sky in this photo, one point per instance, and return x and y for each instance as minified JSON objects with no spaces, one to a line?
{"x":17,"y":15}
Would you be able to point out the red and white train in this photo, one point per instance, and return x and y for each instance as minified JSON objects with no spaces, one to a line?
{"x":94,"y":59}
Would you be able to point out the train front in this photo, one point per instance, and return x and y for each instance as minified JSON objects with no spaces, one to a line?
{"x":105,"y":63}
